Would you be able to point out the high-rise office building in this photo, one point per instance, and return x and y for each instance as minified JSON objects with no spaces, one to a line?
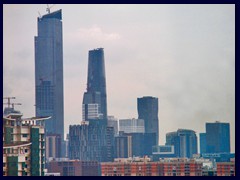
{"x":137,"y":144}
{"x":91,"y":141}
{"x":53,"y":146}
{"x":218,"y":137}
{"x":203,"y":143}
{"x":148,"y":110}
{"x":184,"y":142}
{"x":188,"y":142}
{"x":173,"y":139}
{"x":123,"y":146}
{"x":131,"y":125}
{"x":96,"y":85}
{"x":49,"y":72}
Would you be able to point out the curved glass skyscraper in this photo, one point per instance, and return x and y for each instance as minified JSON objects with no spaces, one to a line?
{"x":49,"y":72}
{"x":184,"y":142}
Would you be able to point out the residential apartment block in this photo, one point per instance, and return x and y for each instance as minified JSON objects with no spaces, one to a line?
{"x":23,"y":145}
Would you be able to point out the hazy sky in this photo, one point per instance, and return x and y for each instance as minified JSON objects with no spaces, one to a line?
{"x":182,"y":54}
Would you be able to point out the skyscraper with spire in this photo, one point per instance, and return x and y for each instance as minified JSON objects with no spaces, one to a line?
{"x":49,"y":72}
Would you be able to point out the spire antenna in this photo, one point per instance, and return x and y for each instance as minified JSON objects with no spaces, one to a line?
{"x":48,"y":8}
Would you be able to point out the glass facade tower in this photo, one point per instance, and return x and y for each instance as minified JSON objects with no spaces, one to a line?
{"x":184,"y":142}
{"x":96,"y":83}
{"x":218,"y":137}
{"x":148,"y":110}
{"x":49,"y":72}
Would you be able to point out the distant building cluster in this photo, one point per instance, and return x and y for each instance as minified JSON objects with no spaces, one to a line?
{"x":101,"y":145}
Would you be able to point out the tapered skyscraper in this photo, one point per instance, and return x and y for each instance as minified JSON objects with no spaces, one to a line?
{"x":49,"y":72}
{"x":95,"y":99}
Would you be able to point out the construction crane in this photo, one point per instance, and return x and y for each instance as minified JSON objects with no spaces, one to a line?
{"x":8,"y":98}
{"x":12,"y":104}
{"x":48,"y":8}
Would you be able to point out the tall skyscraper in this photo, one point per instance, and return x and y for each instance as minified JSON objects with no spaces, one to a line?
{"x":184,"y":142}
{"x":148,"y":110}
{"x":49,"y":72}
{"x":218,"y":137}
{"x":96,"y":94}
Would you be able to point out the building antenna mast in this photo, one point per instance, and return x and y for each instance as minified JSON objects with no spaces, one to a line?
{"x":48,"y":8}
{"x":40,"y":16}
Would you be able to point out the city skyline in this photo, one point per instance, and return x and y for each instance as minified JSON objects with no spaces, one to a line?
{"x":181,"y":54}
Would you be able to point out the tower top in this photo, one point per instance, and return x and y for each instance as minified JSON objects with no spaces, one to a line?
{"x":54,"y":15}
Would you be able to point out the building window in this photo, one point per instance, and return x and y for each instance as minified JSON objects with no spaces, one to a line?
{"x":26,"y":150}
{"x":25,"y":135}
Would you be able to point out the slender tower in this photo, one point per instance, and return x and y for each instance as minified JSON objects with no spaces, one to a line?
{"x":95,"y":99}
{"x":49,"y":72}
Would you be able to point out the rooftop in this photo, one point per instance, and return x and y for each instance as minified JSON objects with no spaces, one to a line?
{"x":54,"y":15}
{"x":17,"y":144}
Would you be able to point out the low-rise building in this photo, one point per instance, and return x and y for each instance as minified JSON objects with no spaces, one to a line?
{"x":74,"y":168}
{"x":226,"y":168}
{"x":145,"y":167}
